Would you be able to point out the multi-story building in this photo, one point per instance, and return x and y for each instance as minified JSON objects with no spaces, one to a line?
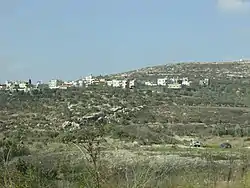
{"x":122,"y":83}
{"x":54,"y":84}
{"x":125,"y":84}
{"x":89,"y":80}
{"x":116,"y":83}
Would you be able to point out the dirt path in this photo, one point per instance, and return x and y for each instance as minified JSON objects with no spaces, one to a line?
{"x":223,"y":107}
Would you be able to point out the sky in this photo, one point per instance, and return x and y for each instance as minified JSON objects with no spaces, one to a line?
{"x":68,"y":39}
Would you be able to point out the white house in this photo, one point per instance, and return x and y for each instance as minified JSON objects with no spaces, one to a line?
{"x":132,"y":84}
{"x":75,"y":83}
{"x":161,"y":81}
{"x":185,"y":82}
{"x":116,"y":83}
{"x":80,"y":82}
{"x":89,"y":80}
{"x":8,"y":84}
{"x":124,"y":84}
{"x":53,"y":84}
{"x":23,"y":85}
{"x":110,"y":83}
{"x":204,"y":82}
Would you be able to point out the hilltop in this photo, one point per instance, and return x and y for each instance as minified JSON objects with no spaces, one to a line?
{"x":53,"y":135}
{"x":194,"y":70}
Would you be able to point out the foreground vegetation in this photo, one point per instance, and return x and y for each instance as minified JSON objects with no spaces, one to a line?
{"x":106,"y":137}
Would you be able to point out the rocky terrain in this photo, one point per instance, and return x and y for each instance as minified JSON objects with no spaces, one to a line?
{"x":144,"y":132}
{"x":194,"y":70}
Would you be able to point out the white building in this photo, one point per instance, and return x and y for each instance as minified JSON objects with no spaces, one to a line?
{"x":204,"y":82}
{"x":132,"y":84}
{"x":161,"y":81}
{"x":75,"y":83}
{"x":185,"y":82}
{"x":124,"y":84}
{"x":116,"y":83}
{"x":54,"y":84}
{"x":89,"y":80}
{"x":102,"y":80}
{"x":38,"y":83}
{"x":23,"y":85}
{"x":80,"y":82}
{"x":110,"y":83}
{"x":8,"y":84}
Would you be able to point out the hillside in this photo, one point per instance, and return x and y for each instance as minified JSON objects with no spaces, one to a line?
{"x":95,"y":135}
{"x":194,"y":70}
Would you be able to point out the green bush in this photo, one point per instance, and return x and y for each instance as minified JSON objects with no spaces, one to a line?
{"x":11,"y":149}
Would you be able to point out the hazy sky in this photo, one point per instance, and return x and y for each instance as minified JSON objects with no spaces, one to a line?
{"x":44,"y":39}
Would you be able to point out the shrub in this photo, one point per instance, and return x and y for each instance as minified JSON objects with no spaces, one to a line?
{"x":11,"y":149}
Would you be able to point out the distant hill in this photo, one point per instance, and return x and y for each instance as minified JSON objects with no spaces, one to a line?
{"x":194,"y":70}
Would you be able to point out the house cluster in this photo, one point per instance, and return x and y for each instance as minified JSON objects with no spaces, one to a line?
{"x":122,"y":83}
{"x":84,"y":82}
{"x":60,"y":84}
{"x":90,"y":80}
{"x":172,"y":83}
{"x":17,"y":85}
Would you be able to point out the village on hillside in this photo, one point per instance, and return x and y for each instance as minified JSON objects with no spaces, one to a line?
{"x":171,"y":83}
{"x":171,"y":77}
